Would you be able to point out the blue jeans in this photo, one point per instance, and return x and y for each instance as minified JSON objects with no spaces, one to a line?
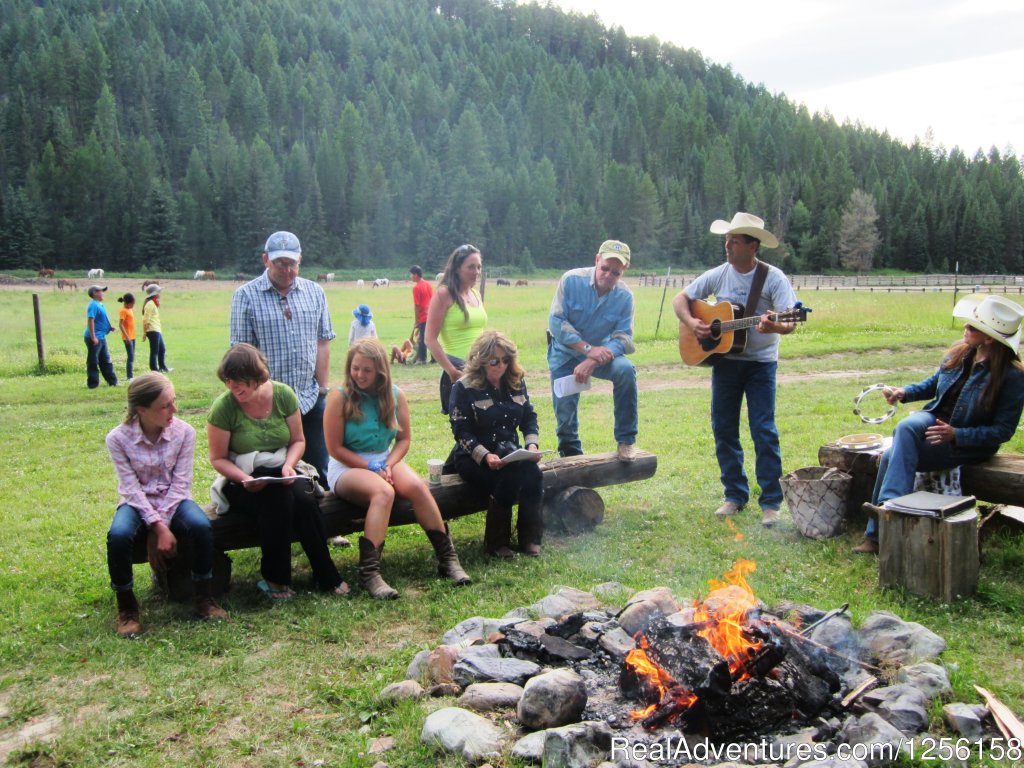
{"x":622,"y":373}
{"x":909,"y":453}
{"x":97,"y":359}
{"x":316,"y":445}
{"x":189,"y":523}
{"x":157,"y":351}
{"x":129,"y":364}
{"x":731,"y":380}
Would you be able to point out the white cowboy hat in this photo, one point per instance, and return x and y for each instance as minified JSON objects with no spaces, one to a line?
{"x":994,"y":316}
{"x":745,"y":224}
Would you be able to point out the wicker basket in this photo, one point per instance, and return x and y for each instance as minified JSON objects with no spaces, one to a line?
{"x":817,"y":500}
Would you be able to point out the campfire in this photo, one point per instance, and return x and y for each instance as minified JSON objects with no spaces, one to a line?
{"x":729,"y":670}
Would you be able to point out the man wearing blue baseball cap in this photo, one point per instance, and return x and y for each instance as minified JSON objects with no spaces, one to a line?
{"x":286,"y":317}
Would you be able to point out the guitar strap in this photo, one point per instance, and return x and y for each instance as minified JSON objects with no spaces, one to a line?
{"x":755,"y":289}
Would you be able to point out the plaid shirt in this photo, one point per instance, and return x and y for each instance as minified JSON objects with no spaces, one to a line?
{"x":154,"y":478}
{"x":258,"y":317}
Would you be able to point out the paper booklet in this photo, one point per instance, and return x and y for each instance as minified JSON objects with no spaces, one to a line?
{"x":276,"y":479}
{"x":521,"y":454}
{"x":929,"y":504}
{"x":567,"y":385}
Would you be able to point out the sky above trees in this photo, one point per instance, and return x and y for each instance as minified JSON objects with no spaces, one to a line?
{"x":955,"y":66}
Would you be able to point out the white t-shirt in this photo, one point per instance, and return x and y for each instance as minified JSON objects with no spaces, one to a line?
{"x":726,"y":284}
{"x":359,"y":331}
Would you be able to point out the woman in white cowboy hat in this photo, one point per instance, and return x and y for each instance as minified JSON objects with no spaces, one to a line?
{"x":976,"y":397}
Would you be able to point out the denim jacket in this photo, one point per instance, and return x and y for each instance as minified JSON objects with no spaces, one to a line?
{"x":486,"y":420}
{"x":979,"y":433}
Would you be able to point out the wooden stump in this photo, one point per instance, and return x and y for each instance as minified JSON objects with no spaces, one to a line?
{"x":929,"y":557}
{"x":573,"y":510}
{"x":862,"y":466}
{"x":176,"y":582}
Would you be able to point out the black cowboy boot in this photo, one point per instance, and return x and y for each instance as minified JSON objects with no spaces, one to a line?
{"x":498,"y":530}
{"x":369,"y":571}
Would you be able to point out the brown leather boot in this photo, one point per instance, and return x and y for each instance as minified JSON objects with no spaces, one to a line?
{"x":128,"y":625}
{"x":498,"y":531}
{"x":867,"y":547}
{"x":369,"y":570}
{"x":447,"y":561}
{"x":206,"y":607}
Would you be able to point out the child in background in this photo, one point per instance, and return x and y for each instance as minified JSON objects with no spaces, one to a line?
{"x":151,"y":327}
{"x":126,"y":324}
{"x":362,"y":327}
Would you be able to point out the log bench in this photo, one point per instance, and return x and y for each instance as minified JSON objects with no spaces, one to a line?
{"x":570,"y":505}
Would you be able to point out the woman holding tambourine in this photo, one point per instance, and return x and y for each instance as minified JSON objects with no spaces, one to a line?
{"x":975,"y":402}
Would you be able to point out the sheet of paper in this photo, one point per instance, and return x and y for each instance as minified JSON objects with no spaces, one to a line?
{"x":567,"y":385}
{"x":521,"y":454}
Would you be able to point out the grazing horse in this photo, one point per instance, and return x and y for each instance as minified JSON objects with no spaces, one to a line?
{"x":503,"y":281}
{"x":71,"y":285}
{"x":45,"y":272}
{"x":521,"y":282}
{"x":95,"y":273}
{"x":360,"y":283}
{"x":381,"y":282}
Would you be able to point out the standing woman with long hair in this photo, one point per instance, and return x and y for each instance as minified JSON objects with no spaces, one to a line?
{"x":152,"y":451}
{"x":151,"y":327}
{"x":976,"y":397}
{"x":456,"y":316}
{"x":490,"y":406}
{"x":366,"y":424}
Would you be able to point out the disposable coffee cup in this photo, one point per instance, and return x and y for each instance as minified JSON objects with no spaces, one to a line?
{"x":434,"y":467}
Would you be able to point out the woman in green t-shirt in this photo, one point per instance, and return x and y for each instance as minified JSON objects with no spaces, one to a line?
{"x":366,"y":425}
{"x":254,"y":431}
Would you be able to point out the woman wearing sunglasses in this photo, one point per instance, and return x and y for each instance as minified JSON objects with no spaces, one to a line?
{"x":456,"y":315}
{"x":489,"y":406}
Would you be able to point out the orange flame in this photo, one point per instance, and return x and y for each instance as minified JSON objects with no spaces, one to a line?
{"x":647,"y":669}
{"x":725,"y":611}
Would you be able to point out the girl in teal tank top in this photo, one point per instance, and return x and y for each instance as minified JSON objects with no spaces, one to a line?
{"x":367,"y":464}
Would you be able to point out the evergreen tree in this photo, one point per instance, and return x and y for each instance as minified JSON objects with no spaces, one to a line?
{"x":858,"y":236}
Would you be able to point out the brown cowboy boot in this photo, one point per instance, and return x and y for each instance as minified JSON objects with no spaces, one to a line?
{"x":498,"y":530}
{"x":206,"y":607}
{"x":447,"y":561}
{"x":369,"y":571}
{"x":128,"y":625}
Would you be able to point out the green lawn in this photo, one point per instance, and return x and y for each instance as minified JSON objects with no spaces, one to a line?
{"x":291,"y":685}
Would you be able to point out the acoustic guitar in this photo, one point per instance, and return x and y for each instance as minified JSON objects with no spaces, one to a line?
{"x":728,"y":329}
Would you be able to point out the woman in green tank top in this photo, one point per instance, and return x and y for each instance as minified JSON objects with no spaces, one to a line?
{"x":456,"y":316}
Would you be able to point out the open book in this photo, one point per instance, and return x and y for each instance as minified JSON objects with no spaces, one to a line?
{"x":929,"y":504}
{"x":521,"y":454}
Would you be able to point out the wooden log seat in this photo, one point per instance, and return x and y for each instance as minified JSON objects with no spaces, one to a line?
{"x":998,"y":480}
{"x":457,"y":499}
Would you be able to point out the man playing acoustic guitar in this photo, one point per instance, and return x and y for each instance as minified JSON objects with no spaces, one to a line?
{"x":742,"y":369}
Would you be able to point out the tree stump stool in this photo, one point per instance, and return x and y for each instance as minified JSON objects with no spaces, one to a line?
{"x":929,"y":556}
{"x":573,"y":510}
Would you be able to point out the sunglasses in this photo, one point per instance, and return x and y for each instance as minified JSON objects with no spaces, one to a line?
{"x":496,"y":361}
{"x":465,"y":250}
{"x":285,"y":309}
{"x":615,"y":272}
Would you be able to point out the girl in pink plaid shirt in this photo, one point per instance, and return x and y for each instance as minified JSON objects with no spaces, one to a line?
{"x":152,"y":453}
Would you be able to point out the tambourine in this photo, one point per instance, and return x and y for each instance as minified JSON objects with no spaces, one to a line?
{"x":862,"y":442}
{"x":872,"y":419}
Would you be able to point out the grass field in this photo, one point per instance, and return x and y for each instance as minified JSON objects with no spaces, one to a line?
{"x":296,"y":684}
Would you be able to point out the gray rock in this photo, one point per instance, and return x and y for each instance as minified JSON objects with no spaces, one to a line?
{"x":583,"y":601}
{"x":609,"y":589}
{"x":838,"y":634}
{"x":552,"y":699}
{"x":660,"y":596}
{"x":580,"y":745}
{"x":486,"y":670}
{"x":903,"y":705}
{"x":884,"y":636}
{"x":439,"y":665}
{"x":617,"y":642}
{"x":964,"y":719}
{"x":637,"y":617}
{"x":462,"y":732}
{"x":831,"y":762}
{"x":407,"y":689}
{"x":531,"y":747}
{"x":417,"y":666}
{"x":487,"y":697}
{"x":930,"y":678}
{"x":554,"y":606}
{"x":471,"y":631}
{"x":871,"y":730}
{"x":485,"y":651}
